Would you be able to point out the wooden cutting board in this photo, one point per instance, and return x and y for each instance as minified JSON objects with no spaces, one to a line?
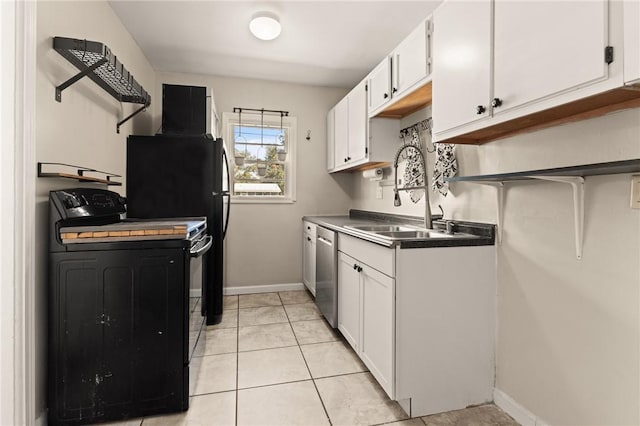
{"x":129,"y":231}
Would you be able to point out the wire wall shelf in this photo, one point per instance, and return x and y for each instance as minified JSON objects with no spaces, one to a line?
{"x":96,"y":61}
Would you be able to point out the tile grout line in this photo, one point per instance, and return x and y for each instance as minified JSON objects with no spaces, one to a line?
{"x":237,"y":358}
{"x":326,"y":413}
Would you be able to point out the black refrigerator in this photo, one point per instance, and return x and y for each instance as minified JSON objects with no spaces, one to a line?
{"x":183,"y":176}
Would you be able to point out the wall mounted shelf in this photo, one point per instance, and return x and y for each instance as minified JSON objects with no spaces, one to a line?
{"x":573,"y":175}
{"x":96,"y":61}
{"x":69,"y":171}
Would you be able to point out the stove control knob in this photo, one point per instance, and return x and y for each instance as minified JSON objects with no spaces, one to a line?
{"x":71,"y":202}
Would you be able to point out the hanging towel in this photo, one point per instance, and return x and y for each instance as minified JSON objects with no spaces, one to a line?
{"x":414,"y":172}
{"x":446,"y":166}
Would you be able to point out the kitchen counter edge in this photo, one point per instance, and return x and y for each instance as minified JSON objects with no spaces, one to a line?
{"x":338,"y":223}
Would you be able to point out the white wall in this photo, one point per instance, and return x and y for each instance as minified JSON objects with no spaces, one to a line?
{"x":568,"y":330}
{"x":264,"y":241}
{"x":81,"y":130}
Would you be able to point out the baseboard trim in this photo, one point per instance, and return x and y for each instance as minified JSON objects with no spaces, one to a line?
{"x":516,"y":410}
{"x":266,"y":288}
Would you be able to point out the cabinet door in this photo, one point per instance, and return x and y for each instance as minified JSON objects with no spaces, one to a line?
{"x":349,"y":300}
{"x":161,"y":304}
{"x":309,"y":263}
{"x":378,"y":319}
{"x":331,"y":141}
{"x":358,"y":120}
{"x":341,"y":138}
{"x":117,"y":339}
{"x":632,"y":42}
{"x":409,"y":60}
{"x":462,"y":51}
{"x":538,"y":54}
{"x":379,"y":85}
{"x":75,"y":338}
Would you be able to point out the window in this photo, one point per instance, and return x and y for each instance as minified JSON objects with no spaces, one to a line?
{"x":261,"y":156}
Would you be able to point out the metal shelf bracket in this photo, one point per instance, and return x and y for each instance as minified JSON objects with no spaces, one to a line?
{"x":577,"y":185}
{"x":572,"y":175}
{"x":77,"y":77}
{"x":129,"y":117}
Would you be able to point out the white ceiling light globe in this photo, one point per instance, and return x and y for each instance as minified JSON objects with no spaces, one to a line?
{"x":265,"y":26}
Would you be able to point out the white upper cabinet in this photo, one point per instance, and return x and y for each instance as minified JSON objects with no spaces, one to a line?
{"x":331,"y":142}
{"x":357,"y":140}
{"x":350,"y":126}
{"x":341,"y":132}
{"x":357,"y":123}
{"x":545,"y":48}
{"x":411,"y":60}
{"x":632,"y":42}
{"x":504,"y":67}
{"x":380,"y":85}
{"x":406,"y":68}
{"x":462,"y":50}
{"x":361,"y":128}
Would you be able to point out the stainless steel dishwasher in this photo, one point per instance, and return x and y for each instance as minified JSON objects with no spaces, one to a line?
{"x":327,"y":274}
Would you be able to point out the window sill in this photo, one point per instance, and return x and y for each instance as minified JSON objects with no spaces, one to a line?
{"x":261,"y":200}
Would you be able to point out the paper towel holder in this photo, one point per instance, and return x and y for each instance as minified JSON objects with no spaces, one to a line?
{"x":373,"y":174}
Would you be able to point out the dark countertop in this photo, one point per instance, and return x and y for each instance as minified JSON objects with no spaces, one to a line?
{"x":467,"y":233}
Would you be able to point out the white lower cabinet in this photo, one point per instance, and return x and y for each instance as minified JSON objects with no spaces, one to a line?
{"x":421,"y":323}
{"x":378,"y":318}
{"x":349,"y":300}
{"x":366,"y":316}
{"x":309,"y":256}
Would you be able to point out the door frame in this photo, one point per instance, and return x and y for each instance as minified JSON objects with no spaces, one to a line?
{"x":17,"y":217}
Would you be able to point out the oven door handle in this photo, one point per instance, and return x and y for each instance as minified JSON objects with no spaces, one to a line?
{"x":200,"y":251}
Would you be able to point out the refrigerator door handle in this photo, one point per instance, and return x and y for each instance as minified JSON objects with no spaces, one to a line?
{"x":226,"y":223}
{"x":226,"y":193}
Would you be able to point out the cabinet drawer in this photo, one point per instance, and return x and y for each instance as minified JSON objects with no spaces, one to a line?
{"x":378,"y":257}
{"x":309,"y":229}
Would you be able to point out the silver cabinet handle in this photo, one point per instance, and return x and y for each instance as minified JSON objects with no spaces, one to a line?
{"x":325,"y":241}
{"x":202,"y":249}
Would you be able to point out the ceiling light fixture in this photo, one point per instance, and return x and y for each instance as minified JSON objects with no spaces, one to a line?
{"x":265,"y":25}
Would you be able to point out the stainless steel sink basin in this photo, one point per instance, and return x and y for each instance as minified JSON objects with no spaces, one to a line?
{"x":413,"y":235}
{"x":381,"y":228}
{"x":403,"y":232}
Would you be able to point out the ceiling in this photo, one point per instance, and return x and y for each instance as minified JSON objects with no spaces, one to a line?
{"x":323,"y":43}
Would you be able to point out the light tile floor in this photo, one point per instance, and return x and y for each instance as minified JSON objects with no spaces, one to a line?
{"x":274,"y":361}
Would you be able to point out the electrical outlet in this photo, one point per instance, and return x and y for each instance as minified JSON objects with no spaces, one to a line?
{"x":635,"y":192}
{"x":379,"y":193}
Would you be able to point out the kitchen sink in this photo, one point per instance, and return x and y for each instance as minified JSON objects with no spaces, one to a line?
{"x":403,"y":232}
{"x":382,"y":228}
{"x":413,"y":235}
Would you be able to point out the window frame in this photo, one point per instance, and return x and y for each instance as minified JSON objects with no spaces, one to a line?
{"x":228,"y":121}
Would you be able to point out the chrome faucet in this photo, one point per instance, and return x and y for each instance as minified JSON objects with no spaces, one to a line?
{"x":396,"y":194}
